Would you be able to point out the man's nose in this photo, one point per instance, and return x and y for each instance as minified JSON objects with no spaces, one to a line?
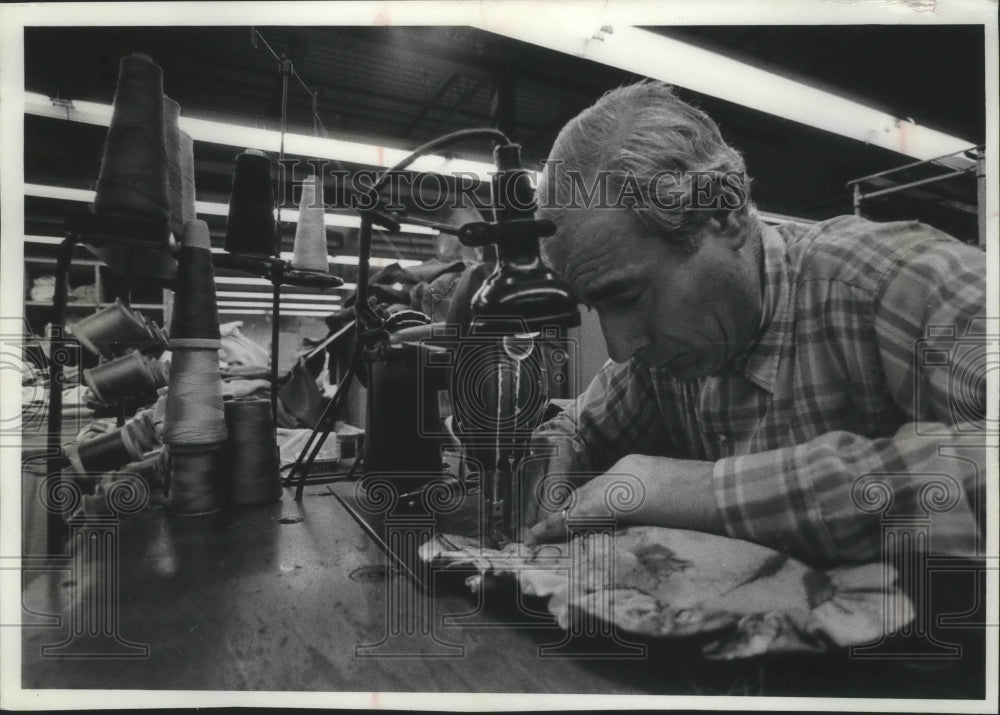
{"x":623,"y":336}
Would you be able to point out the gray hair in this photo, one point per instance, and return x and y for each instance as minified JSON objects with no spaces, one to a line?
{"x":642,"y":131}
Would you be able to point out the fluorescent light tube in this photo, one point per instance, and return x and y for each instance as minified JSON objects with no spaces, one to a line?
{"x":266,"y":304}
{"x":252,"y":311}
{"x":226,"y":294}
{"x":679,"y":63}
{"x":216,"y":209}
{"x":237,"y":135}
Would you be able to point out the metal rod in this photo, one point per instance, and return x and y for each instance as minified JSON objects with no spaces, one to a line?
{"x":364,"y":267}
{"x":331,"y":405}
{"x":910,"y":185}
{"x":277,"y":268}
{"x":911,"y":165}
{"x":320,"y":433}
{"x":285,"y":68}
{"x":317,"y":428}
{"x":327,"y":341}
{"x":323,"y":434}
{"x":277,"y":277}
{"x":981,"y":196}
{"x":358,"y":458}
{"x":55,"y":526}
{"x":857,"y":200}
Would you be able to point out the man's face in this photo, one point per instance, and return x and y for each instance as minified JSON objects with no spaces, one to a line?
{"x":691,"y":312}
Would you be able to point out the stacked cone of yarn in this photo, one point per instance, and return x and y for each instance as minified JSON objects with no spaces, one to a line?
{"x":195,"y":424}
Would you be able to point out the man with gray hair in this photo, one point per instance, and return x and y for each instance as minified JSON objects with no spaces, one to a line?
{"x":766,"y":383}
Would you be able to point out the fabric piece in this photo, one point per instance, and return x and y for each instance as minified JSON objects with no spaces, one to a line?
{"x":244,"y":387}
{"x":299,"y":398}
{"x":291,"y":442}
{"x":84,"y":294}
{"x":817,"y":409}
{"x":743,"y":599}
{"x":43,"y":288}
{"x":236,"y":349}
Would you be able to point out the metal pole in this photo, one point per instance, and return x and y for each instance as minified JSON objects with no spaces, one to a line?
{"x":981,"y":194}
{"x":277,"y":277}
{"x":912,"y":184}
{"x":277,"y":269}
{"x":55,"y":526}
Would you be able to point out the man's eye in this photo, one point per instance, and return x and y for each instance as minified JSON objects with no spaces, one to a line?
{"x":626,"y":299}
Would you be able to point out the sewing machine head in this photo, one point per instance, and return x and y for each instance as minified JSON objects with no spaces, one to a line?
{"x":490,"y":363}
{"x":499,"y":387}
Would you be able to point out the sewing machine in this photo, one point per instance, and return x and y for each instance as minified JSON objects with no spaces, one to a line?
{"x":489,"y":374}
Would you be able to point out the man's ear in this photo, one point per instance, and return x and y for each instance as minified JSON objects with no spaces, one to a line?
{"x":731,"y":226}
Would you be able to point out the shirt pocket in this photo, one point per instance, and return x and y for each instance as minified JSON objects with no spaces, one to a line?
{"x":734,"y":411}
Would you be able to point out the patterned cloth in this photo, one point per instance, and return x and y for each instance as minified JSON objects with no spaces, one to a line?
{"x":863,"y":396}
{"x":740,"y":599}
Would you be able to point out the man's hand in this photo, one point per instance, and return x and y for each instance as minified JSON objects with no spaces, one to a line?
{"x":675,"y":493}
{"x":548,"y":459}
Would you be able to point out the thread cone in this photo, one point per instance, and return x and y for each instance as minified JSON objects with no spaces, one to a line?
{"x":172,"y":142}
{"x":310,"y":234}
{"x":194,"y":486}
{"x":187,"y":177}
{"x":194,"y":412}
{"x":252,"y":461}
{"x":133,"y":178}
{"x":195,"y":309}
{"x":250,"y":227}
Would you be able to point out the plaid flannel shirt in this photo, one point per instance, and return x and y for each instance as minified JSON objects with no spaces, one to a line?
{"x":861,"y":402}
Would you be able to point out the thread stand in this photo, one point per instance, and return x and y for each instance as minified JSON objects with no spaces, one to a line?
{"x":149,"y":259}
{"x":279,"y":272}
{"x":366,"y":325}
{"x":93,"y":230}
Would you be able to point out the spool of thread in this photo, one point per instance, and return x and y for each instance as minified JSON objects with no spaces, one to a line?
{"x":250,"y":227}
{"x":187,"y":178}
{"x":193,"y":487}
{"x":151,"y":468}
{"x":194,"y":413}
{"x":112,"y":331}
{"x":252,"y":461}
{"x":129,"y":443}
{"x":172,"y":143}
{"x":103,"y":453}
{"x":131,"y":374}
{"x":157,"y":336}
{"x":195,"y":310}
{"x":140,"y":433}
{"x":310,"y":234}
{"x":133,"y":177}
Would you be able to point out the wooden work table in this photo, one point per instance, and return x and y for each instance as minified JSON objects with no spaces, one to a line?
{"x":281,"y":597}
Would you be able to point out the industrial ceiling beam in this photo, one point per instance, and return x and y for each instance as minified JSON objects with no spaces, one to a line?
{"x":428,"y":105}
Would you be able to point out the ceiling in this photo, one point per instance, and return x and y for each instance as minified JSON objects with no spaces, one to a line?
{"x":403,"y":85}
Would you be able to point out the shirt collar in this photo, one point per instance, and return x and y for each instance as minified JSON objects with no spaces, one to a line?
{"x":759,"y":362}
